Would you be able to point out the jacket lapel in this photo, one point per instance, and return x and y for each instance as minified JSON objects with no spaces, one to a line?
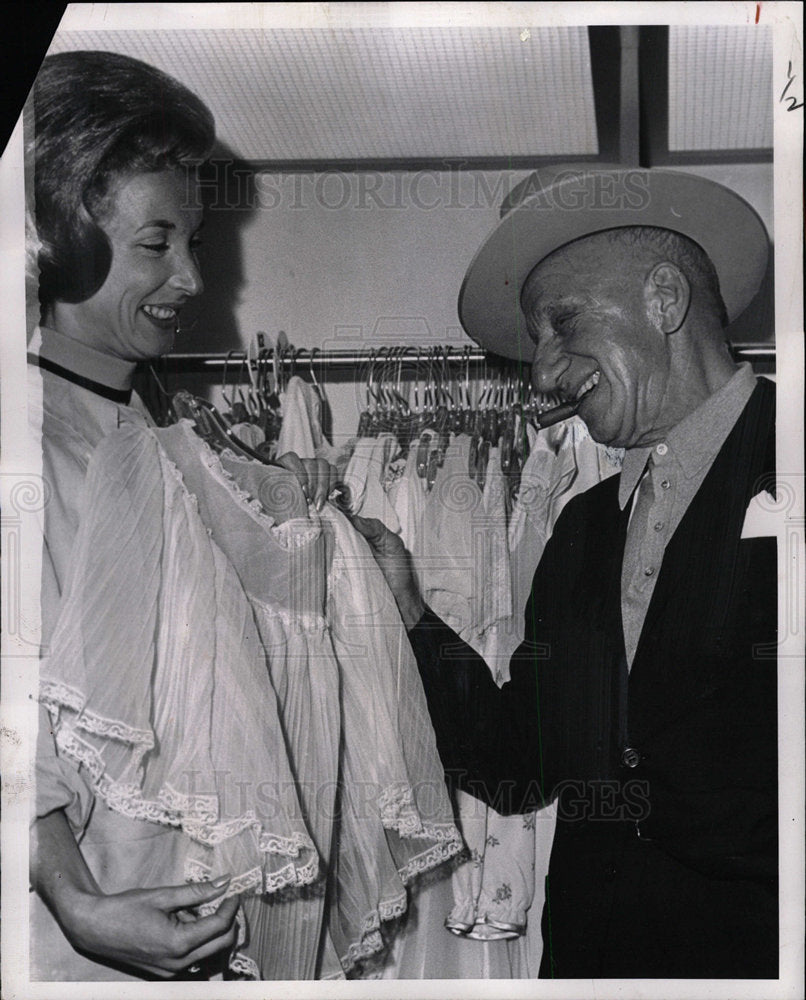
{"x":679,"y":647}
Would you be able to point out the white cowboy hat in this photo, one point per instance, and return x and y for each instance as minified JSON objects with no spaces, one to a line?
{"x":558,"y":204}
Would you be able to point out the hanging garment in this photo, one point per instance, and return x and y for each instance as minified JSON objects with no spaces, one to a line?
{"x":301,"y":428}
{"x":369,"y":799}
{"x":374,"y":477}
{"x":449,"y":553}
{"x":250,"y":434}
{"x":367,"y":479}
{"x":547,"y":475}
{"x":494,"y":607}
{"x":386,"y":755}
{"x":389,"y":754}
{"x":168,"y":735}
{"x":282,"y":573}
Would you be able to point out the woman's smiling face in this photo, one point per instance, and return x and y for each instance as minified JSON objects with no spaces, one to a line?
{"x":152,"y":225}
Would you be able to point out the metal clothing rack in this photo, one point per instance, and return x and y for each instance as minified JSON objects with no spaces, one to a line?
{"x":341,"y":363}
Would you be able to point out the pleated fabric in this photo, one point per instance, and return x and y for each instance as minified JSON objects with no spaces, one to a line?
{"x":281,"y":571}
{"x":390,"y":816}
{"x":156,"y":681}
{"x":396,"y":817}
{"x":250,"y":685}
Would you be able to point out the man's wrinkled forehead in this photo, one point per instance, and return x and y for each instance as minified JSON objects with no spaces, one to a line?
{"x":549,"y":280}
{"x":565,"y":273}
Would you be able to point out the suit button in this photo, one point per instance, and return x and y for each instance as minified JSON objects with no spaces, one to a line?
{"x":630,"y":757}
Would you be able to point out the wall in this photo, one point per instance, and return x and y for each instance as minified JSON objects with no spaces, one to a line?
{"x":345,"y":260}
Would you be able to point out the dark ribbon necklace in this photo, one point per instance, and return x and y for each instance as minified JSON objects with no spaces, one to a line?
{"x":116,"y":395}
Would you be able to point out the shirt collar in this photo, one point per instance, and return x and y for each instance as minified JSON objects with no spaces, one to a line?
{"x":83,"y":360}
{"x":695,"y":441}
{"x":632,"y":469}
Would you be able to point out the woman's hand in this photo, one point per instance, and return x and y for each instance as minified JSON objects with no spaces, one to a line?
{"x":153,"y":930}
{"x":157,"y":931}
{"x":394,"y":560}
{"x":317,"y":477}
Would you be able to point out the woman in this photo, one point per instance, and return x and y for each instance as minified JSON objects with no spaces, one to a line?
{"x":170,"y":750}
{"x":117,"y":226}
{"x":114,"y":154}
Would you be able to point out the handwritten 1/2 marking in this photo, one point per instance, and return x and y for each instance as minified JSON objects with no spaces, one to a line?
{"x":793,"y":101}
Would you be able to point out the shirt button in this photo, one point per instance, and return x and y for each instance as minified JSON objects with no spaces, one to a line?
{"x":630,"y":757}
{"x":665,"y":484}
{"x":662,"y":449}
{"x":658,"y":525}
{"x":649,"y":571}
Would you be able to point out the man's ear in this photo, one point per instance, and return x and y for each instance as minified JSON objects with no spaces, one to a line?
{"x":667,"y":294}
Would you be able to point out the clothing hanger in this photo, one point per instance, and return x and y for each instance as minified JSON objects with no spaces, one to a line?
{"x":210,"y":425}
{"x":314,"y":381}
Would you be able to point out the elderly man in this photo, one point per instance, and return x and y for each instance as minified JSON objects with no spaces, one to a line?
{"x":643,"y":699}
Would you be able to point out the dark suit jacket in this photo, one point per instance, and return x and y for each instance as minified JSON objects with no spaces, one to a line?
{"x":681,"y":754}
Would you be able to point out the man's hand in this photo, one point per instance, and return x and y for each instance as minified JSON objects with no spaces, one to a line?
{"x":394,"y":561}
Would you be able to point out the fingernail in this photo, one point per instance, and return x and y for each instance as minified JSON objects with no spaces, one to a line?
{"x":221,"y":881}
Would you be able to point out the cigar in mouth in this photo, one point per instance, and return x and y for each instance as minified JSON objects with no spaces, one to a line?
{"x":555,"y":415}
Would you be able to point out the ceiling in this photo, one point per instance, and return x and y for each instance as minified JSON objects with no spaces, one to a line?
{"x":380,"y":93}
{"x":720,"y":87}
{"x":401,"y":95}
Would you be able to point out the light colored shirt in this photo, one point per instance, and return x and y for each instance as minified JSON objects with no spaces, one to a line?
{"x":79,"y":358}
{"x":66,"y":422}
{"x":677,"y":470}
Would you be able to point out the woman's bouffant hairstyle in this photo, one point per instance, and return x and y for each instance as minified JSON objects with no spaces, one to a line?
{"x":100,"y":117}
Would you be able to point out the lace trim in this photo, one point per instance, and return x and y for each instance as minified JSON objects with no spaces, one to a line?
{"x":296,"y":621}
{"x":399,"y":812}
{"x":196,"y":814}
{"x":245,"y":882}
{"x":361,"y":950}
{"x":55,"y":695}
{"x":431,"y":858}
{"x":391,"y":909}
{"x":291,"y":875}
{"x":127,"y":800}
{"x":270,"y":843}
{"x":205,"y":807}
{"x":283,"y":533}
{"x":370,"y":941}
{"x":197,"y":871}
{"x":242,"y":965}
{"x":255,"y":880}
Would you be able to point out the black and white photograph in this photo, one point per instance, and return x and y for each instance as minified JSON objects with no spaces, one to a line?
{"x":403,"y":503}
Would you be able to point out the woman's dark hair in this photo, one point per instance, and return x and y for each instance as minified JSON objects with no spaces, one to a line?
{"x":99,"y":117}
